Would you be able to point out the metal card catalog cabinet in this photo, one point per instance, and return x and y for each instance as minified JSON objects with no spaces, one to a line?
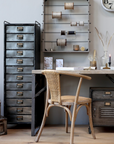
{"x":102,"y":106}
{"x":21,"y":56}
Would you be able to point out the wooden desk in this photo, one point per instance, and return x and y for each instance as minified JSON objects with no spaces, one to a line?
{"x":39,"y":72}
{"x":81,"y":71}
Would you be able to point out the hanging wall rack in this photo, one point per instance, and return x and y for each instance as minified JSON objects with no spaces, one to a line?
{"x":48,"y":22}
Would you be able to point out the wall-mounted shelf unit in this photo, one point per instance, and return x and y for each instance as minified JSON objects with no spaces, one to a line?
{"x":52,"y":27}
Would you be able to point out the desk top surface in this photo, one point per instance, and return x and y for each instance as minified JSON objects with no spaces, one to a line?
{"x":80,"y":71}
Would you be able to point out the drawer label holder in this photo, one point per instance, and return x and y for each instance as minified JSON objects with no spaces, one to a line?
{"x":19,"y":93}
{"x":19,"y":28}
{"x":19,"y":77}
{"x":19,"y":118}
{"x":20,"y":44}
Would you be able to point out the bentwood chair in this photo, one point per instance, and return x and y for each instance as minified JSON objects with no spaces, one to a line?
{"x":65,"y":102}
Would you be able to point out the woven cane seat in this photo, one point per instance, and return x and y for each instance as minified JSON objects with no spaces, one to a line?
{"x":69,"y":100}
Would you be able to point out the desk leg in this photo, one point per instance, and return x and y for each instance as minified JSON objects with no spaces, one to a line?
{"x":89,"y":130}
{"x":33,"y":106}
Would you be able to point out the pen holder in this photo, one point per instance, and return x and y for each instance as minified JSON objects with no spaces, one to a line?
{"x":93,"y":64}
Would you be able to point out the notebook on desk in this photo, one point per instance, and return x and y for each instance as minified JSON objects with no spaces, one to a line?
{"x":74,"y":68}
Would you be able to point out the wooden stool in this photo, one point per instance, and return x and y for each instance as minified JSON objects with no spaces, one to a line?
{"x":3,"y":125}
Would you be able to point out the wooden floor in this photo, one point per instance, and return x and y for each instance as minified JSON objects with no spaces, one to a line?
{"x":57,"y":135}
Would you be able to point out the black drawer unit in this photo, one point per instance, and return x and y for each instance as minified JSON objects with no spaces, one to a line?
{"x":21,"y":56}
{"x":102,"y":106}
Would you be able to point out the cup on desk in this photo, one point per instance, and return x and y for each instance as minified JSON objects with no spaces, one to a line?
{"x":93,"y":64}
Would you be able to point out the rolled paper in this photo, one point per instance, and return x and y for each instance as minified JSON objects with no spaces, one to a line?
{"x":63,"y":32}
{"x":71,"y":32}
{"x":61,"y":42}
{"x":68,"y":5}
{"x":75,"y":47}
{"x":57,"y":15}
{"x":73,"y":23}
{"x":81,"y":23}
{"x":82,"y":48}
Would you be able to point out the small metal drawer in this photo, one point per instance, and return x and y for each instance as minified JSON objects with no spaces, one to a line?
{"x":103,"y":113}
{"x":18,"y":102}
{"x":20,"y":45}
{"x":19,"y":53}
{"x":19,"y":118}
{"x":19,"y":86}
{"x":20,"y":37}
{"x":18,"y":94}
{"x":107,"y":94}
{"x":20,"y":70}
{"x":19,"y":110}
{"x":18,"y":78}
{"x":19,"y":61}
{"x":20,"y":29}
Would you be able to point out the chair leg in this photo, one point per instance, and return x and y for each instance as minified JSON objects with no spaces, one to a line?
{"x":66,"y":122}
{"x":87,"y":109}
{"x":44,"y":117}
{"x":90,"y":121}
{"x":66,"y":119}
{"x":41,"y":128}
{"x":73,"y":124}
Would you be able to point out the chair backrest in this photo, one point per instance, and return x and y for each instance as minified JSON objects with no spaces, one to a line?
{"x":53,"y":79}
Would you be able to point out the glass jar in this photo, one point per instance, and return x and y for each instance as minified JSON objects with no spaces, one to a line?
{"x":104,"y":59}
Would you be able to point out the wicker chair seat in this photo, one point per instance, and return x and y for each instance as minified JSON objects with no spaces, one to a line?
{"x":69,"y":100}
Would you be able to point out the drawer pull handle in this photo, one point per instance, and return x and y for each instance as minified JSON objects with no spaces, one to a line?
{"x":19,"y":61}
{"x":107,"y":93}
{"x":20,"y":69}
{"x":19,"y":118}
{"x":19,"y":77}
{"x":19,"y":53}
{"x":107,"y":104}
{"x":20,"y":44}
{"x":19,"y":85}
{"x":19,"y":101}
{"x":19,"y":110}
{"x":19,"y":28}
{"x":19,"y":93}
{"x":20,"y":36}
